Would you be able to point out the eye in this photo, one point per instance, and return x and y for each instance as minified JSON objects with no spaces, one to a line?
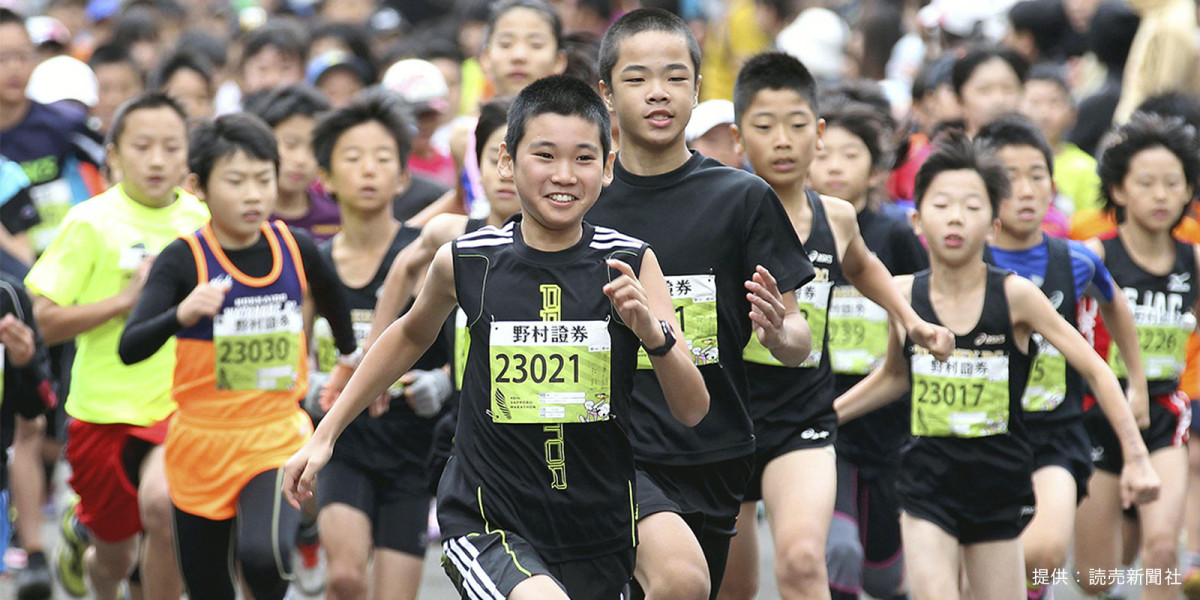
{"x":585,"y":158}
{"x":545,"y":155}
{"x":634,"y":80}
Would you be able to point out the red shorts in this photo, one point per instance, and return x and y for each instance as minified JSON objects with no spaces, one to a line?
{"x":108,"y":501}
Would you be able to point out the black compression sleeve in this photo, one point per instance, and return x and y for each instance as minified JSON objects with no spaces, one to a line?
{"x":153,"y":321}
{"x":326,"y":292}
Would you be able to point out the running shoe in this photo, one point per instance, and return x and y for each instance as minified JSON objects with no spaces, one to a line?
{"x":34,"y":581}
{"x":68,"y":557}
{"x":1191,"y":583}
{"x":310,"y":562}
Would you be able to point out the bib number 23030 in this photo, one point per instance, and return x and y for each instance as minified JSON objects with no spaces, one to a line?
{"x":550,"y":371}
{"x":256,"y":349}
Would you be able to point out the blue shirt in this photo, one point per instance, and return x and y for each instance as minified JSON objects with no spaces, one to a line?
{"x":1091,"y":276}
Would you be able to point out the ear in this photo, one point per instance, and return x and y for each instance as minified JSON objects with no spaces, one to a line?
{"x":877,"y":177}
{"x":403,"y":181}
{"x":820,"y":134}
{"x":699,"y":78}
{"x":606,"y":94}
{"x":192,"y":184}
{"x":505,"y":164}
{"x":560,"y":63}
{"x":608,"y":168}
{"x":991,"y":236}
{"x":914,"y":219}
{"x":738,"y":144}
{"x":326,"y":179}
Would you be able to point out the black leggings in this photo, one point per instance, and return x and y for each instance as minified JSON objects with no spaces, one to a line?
{"x":265,"y":534}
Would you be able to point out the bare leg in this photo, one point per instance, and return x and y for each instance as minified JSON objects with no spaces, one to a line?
{"x":741,"y":570}
{"x":160,"y":571}
{"x":931,"y":560}
{"x":346,"y":537}
{"x":799,"y":490}
{"x":670,"y":564}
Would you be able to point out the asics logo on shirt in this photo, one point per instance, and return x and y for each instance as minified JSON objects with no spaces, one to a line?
{"x":813,"y":434}
{"x":1179,"y":283}
{"x":985,"y":339}
{"x":820,"y":257}
{"x":223,"y":279}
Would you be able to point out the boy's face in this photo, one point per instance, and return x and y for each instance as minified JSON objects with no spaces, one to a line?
{"x":521,"y":50}
{"x":17,"y":59}
{"x":559,"y":169}
{"x":240,"y":194}
{"x":452,"y":73}
{"x":1022,"y":213}
{"x":719,"y":144}
{"x":500,"y":191}
{"x":842,"y":168}
{"x":297,"y":165}
{"x":340,"y":86}
{"x":1154,"y":193}
{"x":992,"y":90}
{"x":779,"y":134}
{"x":118,"y":82}
{"x":1048,"y":107}
{"x":192,"y":92}
{"x":653,"y":90}
{"x":270,"y":69}
{"x":152,"y":154}
{"x":955,"y":217}
{"x":365,"y":168}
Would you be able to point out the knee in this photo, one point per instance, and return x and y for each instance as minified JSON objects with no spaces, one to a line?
{"x":739,"y":586}
{"x":262,"y":568}
{"x":156,"y":511}
{"x":113,"y":562}
{"x":801,"y":564}
{"x":844,"y":557}
{"x":1160,"y":551}
{"x":680,"y":580}
{"x":1046,"y":557}
{"x":345,"y":582}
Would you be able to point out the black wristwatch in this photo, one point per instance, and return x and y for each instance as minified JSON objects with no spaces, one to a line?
{"x":668,"y":336}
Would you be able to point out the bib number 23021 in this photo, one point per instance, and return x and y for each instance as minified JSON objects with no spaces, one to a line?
{"x":550,"y":371}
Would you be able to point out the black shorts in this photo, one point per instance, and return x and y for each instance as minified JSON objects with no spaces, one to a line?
{"x":1170,"y":421}
{"x":1066,"y":445}
{"x":971,"y":526}
{"x":821,"y":432}
{"x":868,"y":498}
{"x":399,"y":511}
{"x":488,"y":566}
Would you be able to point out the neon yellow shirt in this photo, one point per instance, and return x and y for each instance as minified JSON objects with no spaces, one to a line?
{"x":93,"y":257}
{"x":730,"y":42}
{"x":1075,"y":177}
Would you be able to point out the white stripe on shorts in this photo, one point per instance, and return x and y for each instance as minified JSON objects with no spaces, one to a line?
{"x":465,"y":557}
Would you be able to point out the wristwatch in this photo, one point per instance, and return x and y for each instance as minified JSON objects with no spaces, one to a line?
{"x":668,"y":343}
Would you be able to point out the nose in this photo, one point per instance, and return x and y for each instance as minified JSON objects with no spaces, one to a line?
{"x":1023,"y":188}
{"x":657,"y":93}
{"x":779,"y":136}
{"x":563,"y":173}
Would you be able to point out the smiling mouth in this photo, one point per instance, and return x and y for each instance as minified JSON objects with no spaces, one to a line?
{"x":563,"y":199}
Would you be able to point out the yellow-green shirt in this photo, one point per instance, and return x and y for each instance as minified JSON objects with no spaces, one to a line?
{"x":730,"y":42}
{"x":1076,"y":178}
{"x":93,"y":257}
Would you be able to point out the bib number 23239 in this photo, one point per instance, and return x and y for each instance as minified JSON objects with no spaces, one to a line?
{"x":550,"y":371}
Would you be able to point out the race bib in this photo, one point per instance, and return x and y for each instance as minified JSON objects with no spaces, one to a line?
{"x":1047,"y":387}
{"x":858,"y":332}
{"x":695,"y":300}
{"x":257,"y":346}
{"x":327,"y":351}
{"x":965,"y":397}
{"x":813,"y":300}
{"x":550,"y":371}
{"x":1163,"y":342}
{"x":52,"y":200}
{"x":462,"y":345}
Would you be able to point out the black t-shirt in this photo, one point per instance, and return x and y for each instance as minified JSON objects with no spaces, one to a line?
{"x":395,"y":443}
{"x":877,"y":438}
{"x":534,"y":462}
{"x":28,"y":390}
{"x":709,"y":225}
{"x":421,"y":192}
{"x":784,"y":400}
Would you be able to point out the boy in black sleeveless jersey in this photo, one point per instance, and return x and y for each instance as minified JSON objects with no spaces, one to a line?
{"x":1053,"y":401}
{"x":1147,"y":173}
{"x":713,"y":228}
{"x":537,"y":500}
{"x":964,"y":484}
{"x":778,"y":129}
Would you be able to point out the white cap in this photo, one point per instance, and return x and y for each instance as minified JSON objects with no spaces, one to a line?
{"x":707,"y":115}
{"x":419,"y":83}
{"x":818,"y":38}
{"x":63,"y":78}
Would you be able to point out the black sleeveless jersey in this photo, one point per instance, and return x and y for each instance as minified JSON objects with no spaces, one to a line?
{"x":969,"y":444}
{"x":877,"y":438}
{"x":541,"y":458}
{"x":397,"y":440}
{"x":781,"y":398}
{"x":1162,"y":309}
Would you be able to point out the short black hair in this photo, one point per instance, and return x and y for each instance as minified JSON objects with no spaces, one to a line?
{"x":1173,"y":104}
{"x":145,"y":100}
{"x":225,"y":136}
{"x":492,"y":116}
{"x":203,"y":44}
{"x":864,"y":122}
{"x":581,"y":48}
{"x":1052,"y":73}
{"x":10,"y":16}
{"x":356,"y":40}
{"x":179,"y":61}
{"x":280,"y":104}
{"x":283,"y":35}
{"x":772,"y":71}
{"x":377,"y":105}
{"x":640,"y":21}
{"x":858,"y":91}
{"x":965,"y":67}
{"x":1145,"y":131}
{"x":559,"y":95}
{"x":544,"y":10}
{"x":953,"y":151}
{"x":115,"y":54}
{"x":137,"y":23}
{"x":1015,"y":129}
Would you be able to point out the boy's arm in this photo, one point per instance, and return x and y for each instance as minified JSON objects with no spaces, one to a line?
{"x":327,"y":292}
{"x":642,"y":301}
{"x":392,"y":356}
{"x":868,"y":274}
{"x":1119,"y":320}
{"x":59,"y":323}
{"x":776,"y":320}
{"x":169,"y":304}
{"x":1139,"y":482}
{"x":884,"y":385}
